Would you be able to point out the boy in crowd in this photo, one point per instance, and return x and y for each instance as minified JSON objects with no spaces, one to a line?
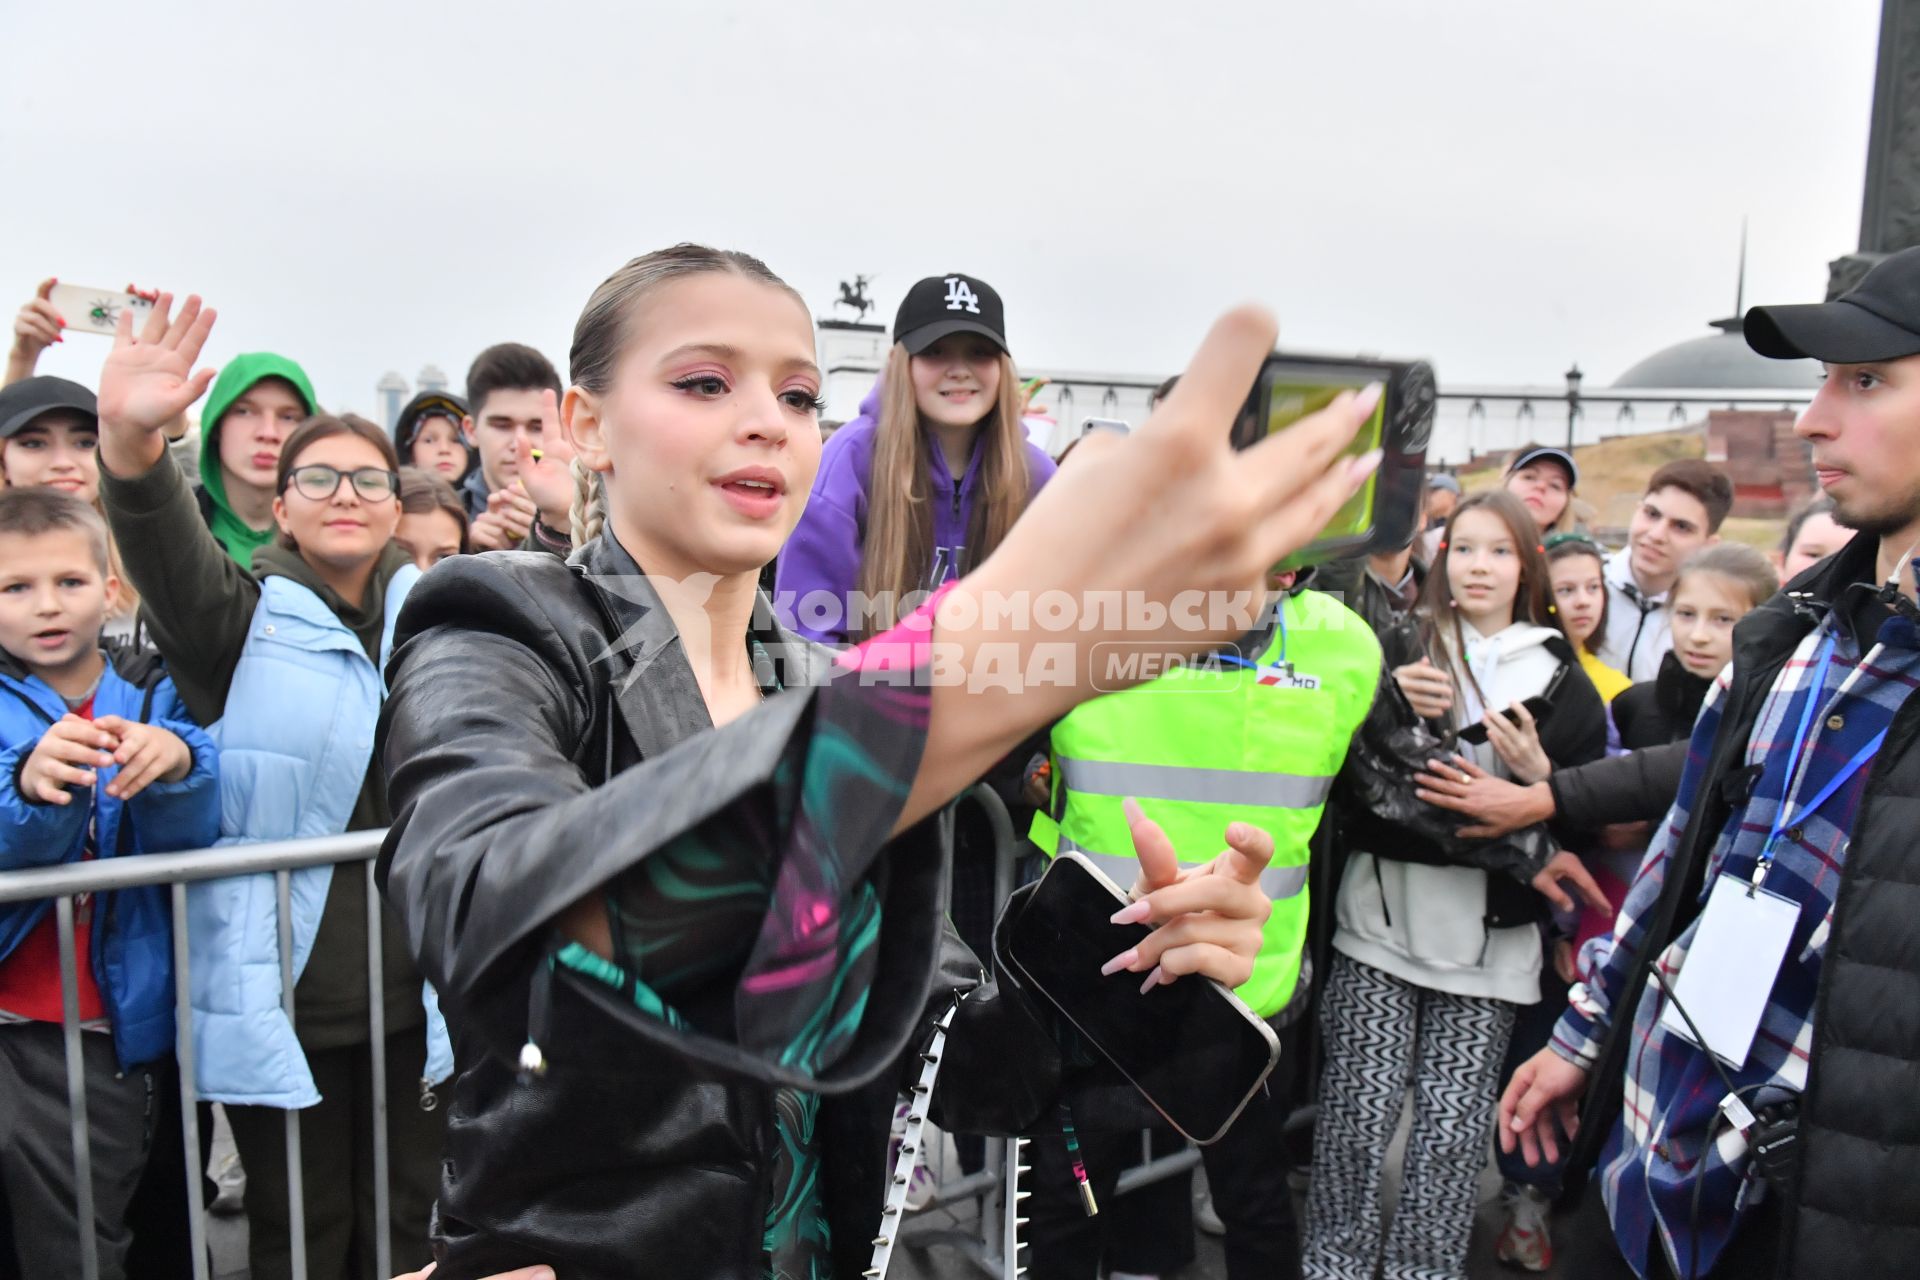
{"x":504,"y":387}
{"x":98,"y":758}
{"x":255,"y":404}
{"x":1686,"y":502}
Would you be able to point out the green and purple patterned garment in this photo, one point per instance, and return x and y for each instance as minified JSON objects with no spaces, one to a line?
{"x":715,"y":935}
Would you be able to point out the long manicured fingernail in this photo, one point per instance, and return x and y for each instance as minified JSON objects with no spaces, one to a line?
{"x":1119,"y":962}
{"x":1153,"y":980}
{"x":1364,"y":465}
{"x":1133,"y":913}
{"x":1369,"y":397}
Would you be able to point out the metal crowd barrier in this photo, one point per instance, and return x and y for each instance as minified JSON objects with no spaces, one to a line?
{"x":992,"y":1244}
{"x":281,"y":857}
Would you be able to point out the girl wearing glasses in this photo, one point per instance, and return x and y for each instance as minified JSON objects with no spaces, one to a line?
{"x":284,"y":664}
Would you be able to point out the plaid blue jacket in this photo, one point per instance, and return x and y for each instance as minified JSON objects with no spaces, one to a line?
{"x":1670,"y":1123}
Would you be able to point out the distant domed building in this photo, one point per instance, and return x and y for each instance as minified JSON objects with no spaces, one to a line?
{"x":1719,"y":360}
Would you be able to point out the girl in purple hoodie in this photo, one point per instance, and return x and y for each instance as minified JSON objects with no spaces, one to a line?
{"x":888,"y":517}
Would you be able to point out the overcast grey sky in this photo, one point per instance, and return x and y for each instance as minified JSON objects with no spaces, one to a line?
{"x":1502,"y":187}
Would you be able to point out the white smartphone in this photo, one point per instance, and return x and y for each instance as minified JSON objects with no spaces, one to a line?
{"x":97,"y":310}
{"x":1115,"y":425}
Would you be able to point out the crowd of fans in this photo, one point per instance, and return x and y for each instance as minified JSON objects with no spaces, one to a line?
{"x":205,"y":638}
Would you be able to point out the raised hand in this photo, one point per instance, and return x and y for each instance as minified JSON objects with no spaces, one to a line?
{"x":1172,"y":524}
{"x":35,"y":328}
{"x":548,"y":479}
{"x":1210,"y":915}
{"x":69,"y":754}
{"x":149,"y":380}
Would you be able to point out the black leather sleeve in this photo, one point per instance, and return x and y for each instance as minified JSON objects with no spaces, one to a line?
{"x":1639,"y":786}
{"x":498,"y":830}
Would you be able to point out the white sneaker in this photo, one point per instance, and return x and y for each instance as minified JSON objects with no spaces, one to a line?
{"x":1524,"y":1240}
{"x":1206,"y":1218}
{"x":232,"y":1181}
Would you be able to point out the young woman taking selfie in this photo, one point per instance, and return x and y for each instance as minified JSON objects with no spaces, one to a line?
{"x":676,"y":885}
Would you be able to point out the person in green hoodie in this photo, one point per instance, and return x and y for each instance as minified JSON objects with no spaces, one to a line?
{"x":258,"y":399}
{"x":283,"y":657}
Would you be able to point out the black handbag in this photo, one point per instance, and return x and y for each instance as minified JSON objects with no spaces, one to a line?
{"x":1381,"y":814}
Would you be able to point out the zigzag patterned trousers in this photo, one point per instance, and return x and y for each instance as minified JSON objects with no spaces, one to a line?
{"x":1384,"y":1036}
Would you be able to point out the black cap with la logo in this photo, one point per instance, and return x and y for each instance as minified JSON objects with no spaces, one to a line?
{"x":942,"y":305}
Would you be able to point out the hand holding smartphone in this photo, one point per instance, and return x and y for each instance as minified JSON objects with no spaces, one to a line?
{"x":1382,"y":514}
{"x":98,"y":310}
{"x":1192,"y":1048}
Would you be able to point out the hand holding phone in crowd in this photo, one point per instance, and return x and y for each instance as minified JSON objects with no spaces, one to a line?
{"x":35,"y":328}
{"x":504,"y":524}
{"x":1210,"y":916}
{"x":1429,"y":689}
{"x":1515,"y":735}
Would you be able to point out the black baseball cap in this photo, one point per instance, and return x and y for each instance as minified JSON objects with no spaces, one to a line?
{"x":27,"y":399}
{"x":953,"y":303}
{"x":1530,"y":454}
{"x":1878,"y":319}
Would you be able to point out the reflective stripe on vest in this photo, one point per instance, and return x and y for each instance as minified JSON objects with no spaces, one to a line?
{"x":1202,"y":786}
{"x":1279,"y":883}
{"x":1203,"y":749}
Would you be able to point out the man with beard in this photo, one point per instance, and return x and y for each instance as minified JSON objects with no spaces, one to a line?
{"x":1777,"y":914}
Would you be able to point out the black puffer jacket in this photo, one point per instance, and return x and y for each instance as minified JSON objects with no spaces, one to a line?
{"x":527,"y":770}
{"x":1856,"y":1205}
{"x":1661,"y":710}
{"x":1655,"y":719}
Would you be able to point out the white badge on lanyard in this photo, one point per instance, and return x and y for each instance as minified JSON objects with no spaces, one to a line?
{"x":1743,"y":935}
{"x":1727,"y":977}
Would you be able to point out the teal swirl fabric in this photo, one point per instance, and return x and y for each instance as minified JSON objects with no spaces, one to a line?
{"x":715,"y":934}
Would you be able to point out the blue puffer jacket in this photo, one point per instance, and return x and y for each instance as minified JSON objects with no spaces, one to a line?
{"x":294,"y":747}
{"x":132,"y":954}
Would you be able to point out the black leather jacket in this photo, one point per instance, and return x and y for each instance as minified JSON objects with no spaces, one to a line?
{"x":543,"y":735}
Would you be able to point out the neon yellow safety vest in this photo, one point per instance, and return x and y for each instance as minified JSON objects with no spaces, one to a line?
{"x":1205,"y":746}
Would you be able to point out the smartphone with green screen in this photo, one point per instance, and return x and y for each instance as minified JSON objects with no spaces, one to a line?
{"x":1382,"y":514}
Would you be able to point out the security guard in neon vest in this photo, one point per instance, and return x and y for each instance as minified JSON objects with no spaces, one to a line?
{"x":1256,"y":735}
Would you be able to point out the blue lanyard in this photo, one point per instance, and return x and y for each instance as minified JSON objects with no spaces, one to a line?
{"x":1796,"y":766}
{"x":1280,"y":616}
